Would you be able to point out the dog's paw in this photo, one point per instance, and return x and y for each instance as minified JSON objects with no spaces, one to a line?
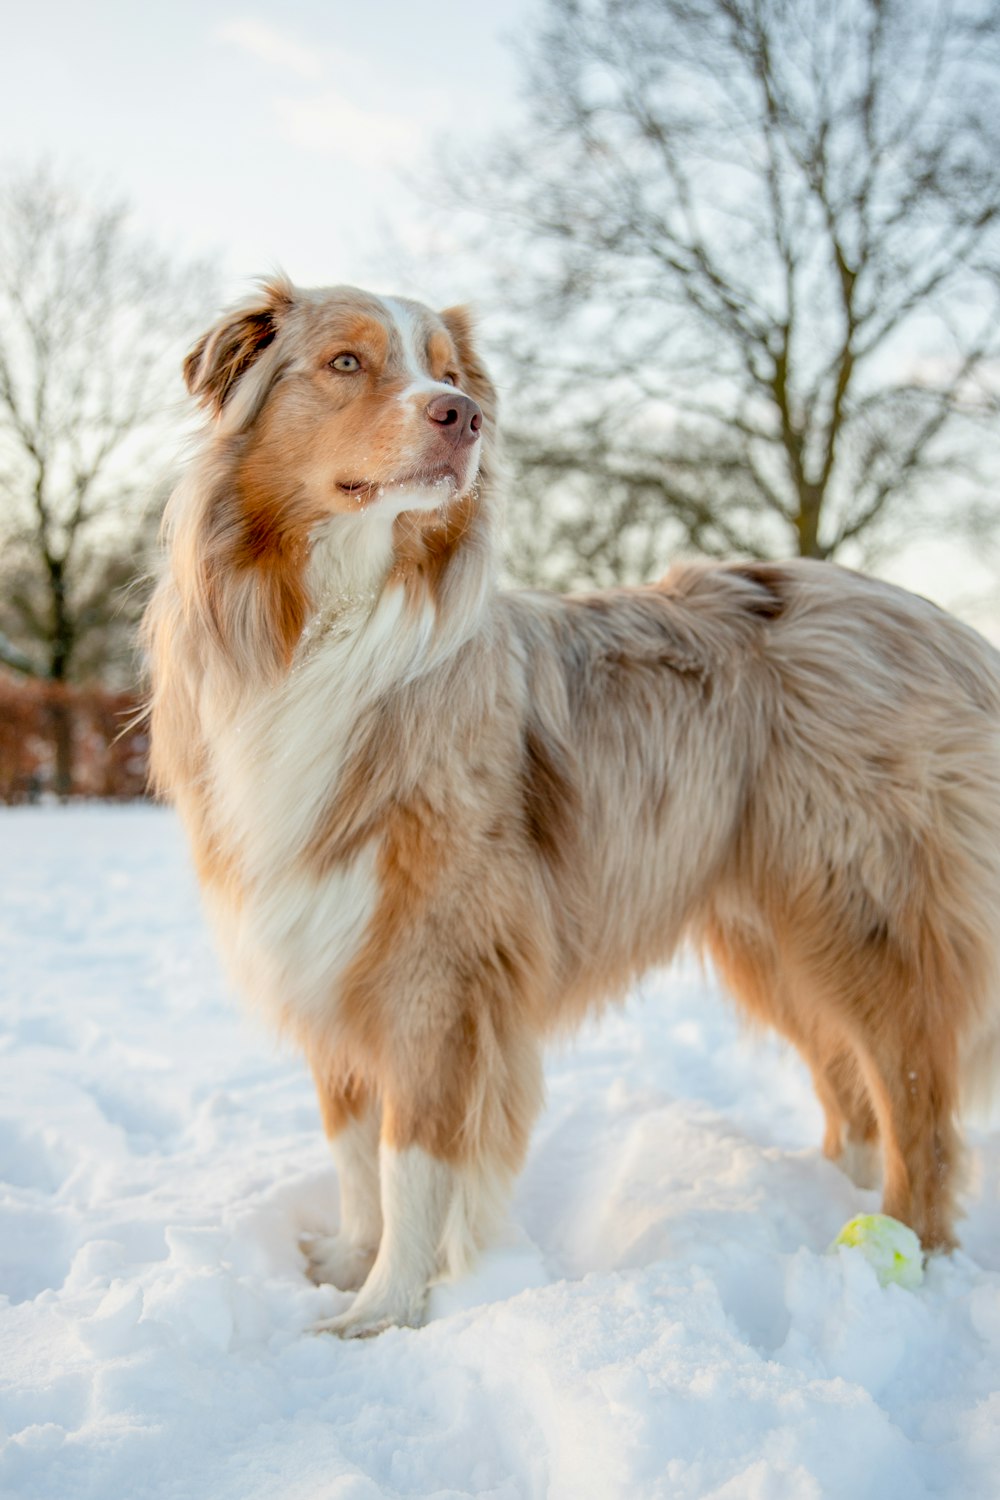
{"x":346,"y":1327}
{"x":372,"y":1312}
{"x":336,"y":1261}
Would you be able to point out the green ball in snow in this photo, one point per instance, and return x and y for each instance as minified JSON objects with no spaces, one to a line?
{"x":891,"y":1248}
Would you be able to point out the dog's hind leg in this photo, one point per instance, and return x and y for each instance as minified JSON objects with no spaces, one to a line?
{"x":351,"y":1122}
{"x":851,"y":1137}
{"x":748,"y":960}
{"x":900,"y":996}
{"x":913,"y":1089}
{"x":876,"y":1013}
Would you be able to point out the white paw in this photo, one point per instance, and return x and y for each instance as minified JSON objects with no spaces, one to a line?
{"x":335,"y":1260}
{"x":346,"y":1327}
{"x":372,"y":1311}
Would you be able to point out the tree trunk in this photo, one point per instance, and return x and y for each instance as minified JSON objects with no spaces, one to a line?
{"x":807,"y":523}
{"x":61,"y":709}
{"x":61,"y":719}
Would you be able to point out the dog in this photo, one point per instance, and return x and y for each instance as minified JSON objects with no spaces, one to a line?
{"x":436,"y":821}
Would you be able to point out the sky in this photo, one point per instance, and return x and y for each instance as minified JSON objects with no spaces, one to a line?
{"x":273,"y":135}
{"x":294,"y":136}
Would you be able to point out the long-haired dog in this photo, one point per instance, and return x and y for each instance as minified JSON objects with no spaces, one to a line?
{"x":436,"y":821}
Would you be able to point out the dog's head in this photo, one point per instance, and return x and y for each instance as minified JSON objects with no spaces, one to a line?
{"x":350,"y":449}
{"x":354,"y":395}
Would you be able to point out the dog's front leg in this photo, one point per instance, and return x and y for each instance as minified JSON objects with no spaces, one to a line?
{"x":417,"y":1192}
{"x":453,"y":1133}
{"x":351,"y":1119}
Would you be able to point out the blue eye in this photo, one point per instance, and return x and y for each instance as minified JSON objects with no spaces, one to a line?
{"x":346,"y":364}
{"x":449,"y":379}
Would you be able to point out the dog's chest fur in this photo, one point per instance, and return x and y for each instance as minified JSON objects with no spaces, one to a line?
{"x":277,"y":756}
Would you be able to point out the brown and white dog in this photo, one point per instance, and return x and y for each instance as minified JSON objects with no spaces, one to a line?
{"x":436,"y":821}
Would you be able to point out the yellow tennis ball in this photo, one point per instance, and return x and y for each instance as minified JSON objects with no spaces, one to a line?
{"x":891,"y":1248}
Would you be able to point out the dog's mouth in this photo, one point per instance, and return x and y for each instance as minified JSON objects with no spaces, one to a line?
{"x":439,"y":476}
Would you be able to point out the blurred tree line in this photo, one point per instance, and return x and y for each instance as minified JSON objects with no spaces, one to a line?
{"x":94,"y":322}
{"x":749,"y":256}
{"x":746,"y":257}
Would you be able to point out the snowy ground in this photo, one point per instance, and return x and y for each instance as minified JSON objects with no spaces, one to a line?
{"x":664,"y":1320}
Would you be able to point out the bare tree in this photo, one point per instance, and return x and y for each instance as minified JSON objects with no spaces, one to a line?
{"x":751,"y":252}
{"x":93,"y":322}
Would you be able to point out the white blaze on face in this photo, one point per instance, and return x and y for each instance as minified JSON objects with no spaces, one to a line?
{"x":431,"y":494}
{"x":421,"y":381}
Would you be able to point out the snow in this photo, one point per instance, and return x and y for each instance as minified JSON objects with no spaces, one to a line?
{"x":662,"y":1319}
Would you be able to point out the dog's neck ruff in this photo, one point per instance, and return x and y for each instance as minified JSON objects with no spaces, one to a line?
{"x":350,"y":559}
{"x":358,"y":588}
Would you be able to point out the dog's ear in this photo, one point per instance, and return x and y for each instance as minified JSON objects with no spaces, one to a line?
{"x":224,"y":354}
{"x":459,"y":323}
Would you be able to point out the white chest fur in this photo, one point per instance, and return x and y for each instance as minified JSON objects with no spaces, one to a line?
{"x":277,"y":757}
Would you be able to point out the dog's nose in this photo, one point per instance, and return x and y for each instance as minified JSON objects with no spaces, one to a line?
{"x":458,"y":417}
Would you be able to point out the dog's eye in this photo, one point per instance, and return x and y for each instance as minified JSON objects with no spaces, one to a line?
{"x":346,"y":364}
{"x":449,"y":378}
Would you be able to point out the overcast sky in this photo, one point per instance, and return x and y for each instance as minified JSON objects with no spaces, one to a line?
{"x":263,"y":134}
{"x":268,"y":135}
